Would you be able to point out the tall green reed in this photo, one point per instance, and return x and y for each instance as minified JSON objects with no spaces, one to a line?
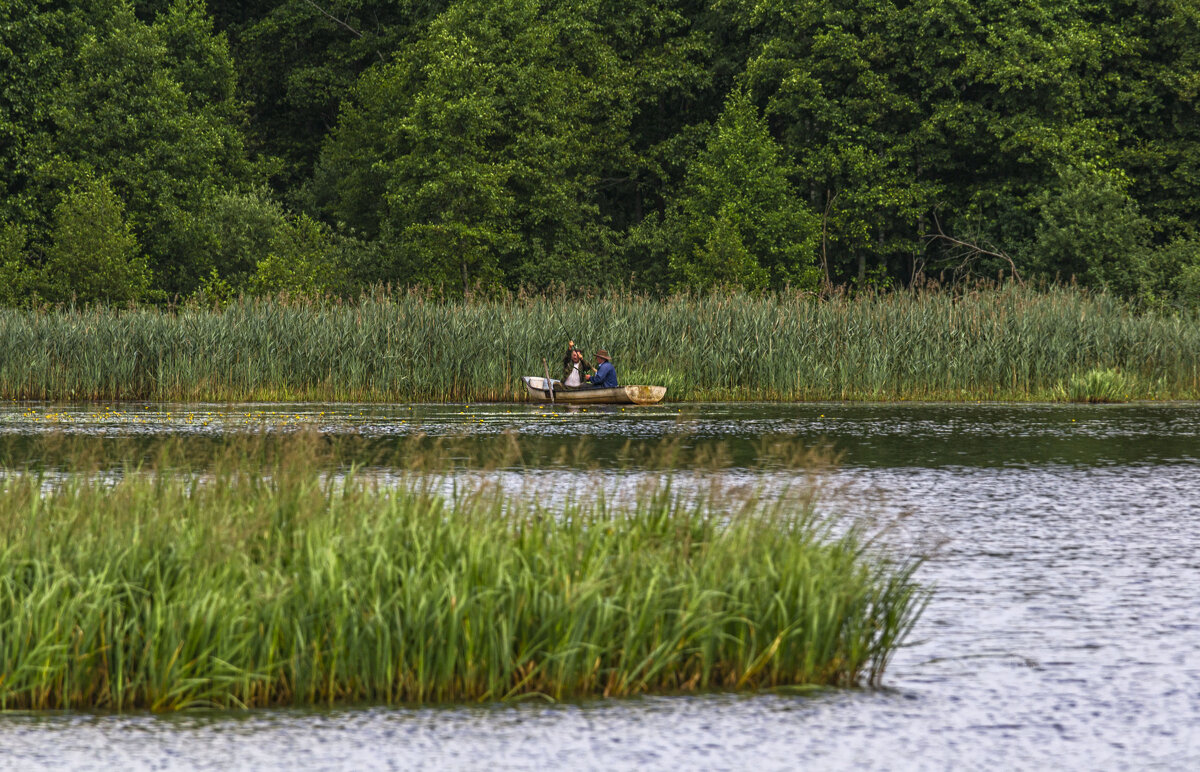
{"x":278,"y":585}
{"x":1005,"y":342}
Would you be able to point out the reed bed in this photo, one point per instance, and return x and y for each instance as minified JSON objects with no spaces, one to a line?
{"x":1005,"y":342}
{"x":278,"y":585}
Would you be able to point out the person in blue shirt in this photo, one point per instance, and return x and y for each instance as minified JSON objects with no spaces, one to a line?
{"x":606,"y":374}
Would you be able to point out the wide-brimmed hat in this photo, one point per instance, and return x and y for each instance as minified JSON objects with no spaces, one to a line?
{"x":602,"y":354}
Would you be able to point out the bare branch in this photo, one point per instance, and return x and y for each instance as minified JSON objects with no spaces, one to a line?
{"x":970,"y":252}
{"x":343,"y":24}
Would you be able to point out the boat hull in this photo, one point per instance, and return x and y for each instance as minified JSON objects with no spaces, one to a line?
{"x":621,"y":395}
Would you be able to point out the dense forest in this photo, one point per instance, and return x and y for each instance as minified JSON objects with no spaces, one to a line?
{"x":151,"y":151}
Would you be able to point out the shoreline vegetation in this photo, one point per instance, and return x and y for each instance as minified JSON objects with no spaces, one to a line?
{"x":265,"y":581}
{"x":996,"y":343}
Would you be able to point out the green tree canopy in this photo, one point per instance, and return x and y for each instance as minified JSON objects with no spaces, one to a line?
{"x":737,"y":220}
{"x":94,"y":255}
{"x":149,"y":107}
{"x":648,"y":143}
{"x":476,"y":156}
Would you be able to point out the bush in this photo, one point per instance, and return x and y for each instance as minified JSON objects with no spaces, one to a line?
{"x":1189,"y":286}
{"x":15,"y":276}
{"x":300,"y":261}
{"x":1096,"y":386}
{"x":1173,"y":276}
{"x":93,"y":255}
{"x":1091,"y":228}
{"x":241,"y":227}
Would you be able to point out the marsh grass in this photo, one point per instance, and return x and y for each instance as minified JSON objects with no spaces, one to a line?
{"x":1006,"y":342}
{"x":1097,"y":386}
{"x":263,"y":581}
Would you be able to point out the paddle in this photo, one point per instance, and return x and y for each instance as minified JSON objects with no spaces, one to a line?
{"x":549,"y":383}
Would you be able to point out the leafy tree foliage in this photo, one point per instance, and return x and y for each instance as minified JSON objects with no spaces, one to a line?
{"x":476,"y":155}
{"x":324,"y":145}
{"x":94,"y":255}
{"x":240,"y":227}
{"x":299,"y":59}
{"x":36,"y":41}
{"x":1150,"y":94}
{"x":148,"y":107}
{"x":300,"y":260}
{"x":737,"y":220}
{"x":15,"y":276}
{"x":152,"y":108}
{"x":1172,"y":274}
{"x":1091,"y":229}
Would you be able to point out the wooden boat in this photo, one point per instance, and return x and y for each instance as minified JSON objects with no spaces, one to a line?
{"x":621,"y":395}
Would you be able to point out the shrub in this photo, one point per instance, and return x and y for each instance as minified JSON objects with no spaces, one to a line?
{"x":94,"y":255}
{"x":300,"y":261}
{"x":1096,"y":386}
{"x":15,"y":276}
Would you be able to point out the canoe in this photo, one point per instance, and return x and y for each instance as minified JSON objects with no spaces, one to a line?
{"x":621,"y":395}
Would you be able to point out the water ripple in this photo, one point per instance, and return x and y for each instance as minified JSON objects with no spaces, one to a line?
{"x":1063,"y":632}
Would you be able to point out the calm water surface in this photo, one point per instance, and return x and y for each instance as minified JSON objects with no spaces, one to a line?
{"x":1064,"y":632}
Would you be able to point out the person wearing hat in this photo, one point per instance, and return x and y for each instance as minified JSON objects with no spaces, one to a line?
{"x":606,"y":374}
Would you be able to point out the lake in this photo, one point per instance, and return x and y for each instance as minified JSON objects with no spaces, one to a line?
{"x":1063,"y":631}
